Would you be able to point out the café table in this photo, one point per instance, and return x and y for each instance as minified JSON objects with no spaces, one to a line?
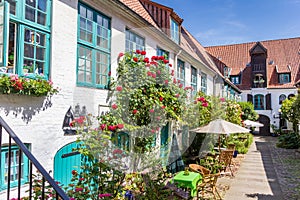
{"x":188,"y":181}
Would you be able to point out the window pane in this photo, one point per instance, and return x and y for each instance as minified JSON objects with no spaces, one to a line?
{"x":12,"y":7}
{"x":42,"y":5}
{"x":30,"y":14}
{"x":31,"y":2}
{"x":41,"y":18}
{"x":40,"y":53}
{"x":28,"y":51}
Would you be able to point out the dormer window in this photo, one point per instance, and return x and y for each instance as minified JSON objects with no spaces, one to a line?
{"x":235,"y":80}
{"x":284,"y":78}
{"x":258,"y":81}
{"x":174,"y":31}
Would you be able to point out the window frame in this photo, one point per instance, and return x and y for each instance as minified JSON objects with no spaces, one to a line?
{"x":194,"y":79}
{"x":181,"y":71}
{"x":235,"y":80}
{"x":282,"y":78}
{"x":135,"y":44}
{"x":94,"y":48}
{"x":175,"y":30}
{"x":281,"y":98}
{"x":260,"y":102}
{"x":14,"y":150}
{"x":20,"y":24}
{"x":204,"y":83}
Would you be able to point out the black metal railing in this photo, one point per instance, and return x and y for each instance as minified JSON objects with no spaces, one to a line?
{"x":46,"y":182}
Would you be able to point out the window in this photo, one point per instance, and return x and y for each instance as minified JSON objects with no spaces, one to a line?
{"x":203,"y":83}
{"x":258,"y":81}
{"x":133,"y":41}
{"x":93,"y":65}
{"x":194,"y":80}
{"x":14,"y":170}
{"x":161,"y":52}
{"x":282,"y":97}
{"x":284,"y":78}
{"x":235,"y":79}
{"x":180,"y":71}
{"x":28,"y":37}
{"x":121,"y":140}
{"x":174,"y":31}
{"x":259,"y":102}
{"x":227,"y":71}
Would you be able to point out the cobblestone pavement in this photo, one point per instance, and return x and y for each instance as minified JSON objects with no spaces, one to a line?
{"x":280,"y":173}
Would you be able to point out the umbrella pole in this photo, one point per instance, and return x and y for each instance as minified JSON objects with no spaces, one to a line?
{"x":219,"y":144}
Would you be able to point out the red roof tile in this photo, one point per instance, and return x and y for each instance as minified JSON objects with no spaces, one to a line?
{"x":283,"y":53}
{"x":137,"y":7}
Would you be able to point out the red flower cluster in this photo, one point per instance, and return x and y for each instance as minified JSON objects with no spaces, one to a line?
{"x":203,"y":101}
{"x":111,"y":127}
{"x":117,"y":151}
{"x":17,"y":83}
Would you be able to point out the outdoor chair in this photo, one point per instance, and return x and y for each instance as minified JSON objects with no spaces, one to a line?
{"x":225,"y":159}
{"x":231,"y":147}
{"x":200,"y":169}
{"x":208,"y":185}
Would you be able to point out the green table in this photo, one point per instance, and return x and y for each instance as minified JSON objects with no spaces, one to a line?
{"x":188,"y":181}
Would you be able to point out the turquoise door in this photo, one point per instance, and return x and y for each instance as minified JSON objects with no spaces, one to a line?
{"x":65,"y":161}
{"x":164,"y":139}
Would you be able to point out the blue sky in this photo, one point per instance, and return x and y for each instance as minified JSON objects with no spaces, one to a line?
{"x":219,"y":22}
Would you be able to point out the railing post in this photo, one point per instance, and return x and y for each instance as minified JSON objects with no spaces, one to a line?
{"x":8,"y":167}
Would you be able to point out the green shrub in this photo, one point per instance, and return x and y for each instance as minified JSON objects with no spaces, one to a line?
{"x":289,"y":141}
{"x":242,"y":141}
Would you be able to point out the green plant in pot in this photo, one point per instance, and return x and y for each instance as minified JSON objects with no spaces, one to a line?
{"x":211,"y":163}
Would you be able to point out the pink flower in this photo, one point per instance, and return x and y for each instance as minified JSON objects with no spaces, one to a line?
{"x":158,"y":118}
{"x":158,"y":72}
{"x":135,"y":59}
{"x":134,"y":111}
{"x":149,"y":73}
{"x":102,"y":126}
{"x":161,"y":98}
{"x":72,"y":198}
{"x":81,"y":179}
{"x":146,"y":60}
{"x":202,"y":99}
{"x":143,"y":53}
{"x":151,"y":110}
{"x":163,"y":107}
{"x":205,"y":104}
{"x":170,"y":65}
{"x":154,"y":58}
{"x":153,"y":75}
{"x":177,"y":95}
{"x":104,"y":195}
{"x":222,"y":99}
{"x":166,"y":82}
{"x":138,"y":51}
{"x":114,"y":106}
{"x":50,"y":82}
{"x":74,"y":172}
{"x":180,"y":86}
{"x":109,"y":73}
{"x":152,"y":131}
{"x":120,"y":126}
{"x":117,"y":151}
{"x":120,"y":55}
{"x":78,"y":189}
{"x":119,"y":88}
{"x":174,"y":80}
{"x":166,"y":61}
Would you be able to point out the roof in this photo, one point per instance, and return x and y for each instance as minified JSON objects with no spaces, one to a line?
{"x":137,"y":7}
{"x":188,"y":42}
{"x":283,"y":56}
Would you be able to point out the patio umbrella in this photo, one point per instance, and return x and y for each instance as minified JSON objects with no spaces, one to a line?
{"x":249,"y":123}
{"x":220,"y":126}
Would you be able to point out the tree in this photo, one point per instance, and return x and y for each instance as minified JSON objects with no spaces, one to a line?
{"x":248,"y":111}
{"x":290,"y":110}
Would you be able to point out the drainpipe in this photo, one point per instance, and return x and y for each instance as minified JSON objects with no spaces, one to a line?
{"x":175,"y":59}
{"x":214,"y":86}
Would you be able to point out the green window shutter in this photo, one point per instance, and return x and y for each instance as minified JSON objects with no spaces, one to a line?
{"x":4,"y":32}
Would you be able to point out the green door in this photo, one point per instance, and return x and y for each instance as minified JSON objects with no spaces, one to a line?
{"x":164,"y":139}
{"x":65,"y":161}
